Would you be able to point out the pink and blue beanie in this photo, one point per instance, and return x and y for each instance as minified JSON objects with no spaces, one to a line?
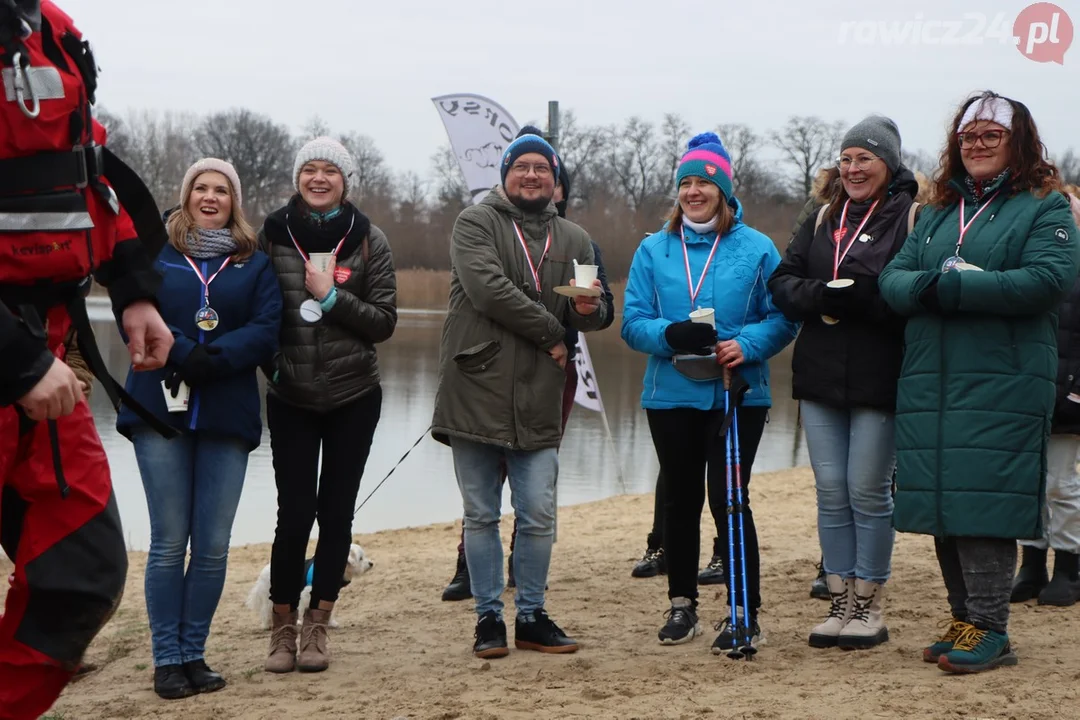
{"x":707,"y":158}
{"x":528,"y":141}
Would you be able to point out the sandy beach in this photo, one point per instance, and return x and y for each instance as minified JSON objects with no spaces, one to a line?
{"x":402,"y":653}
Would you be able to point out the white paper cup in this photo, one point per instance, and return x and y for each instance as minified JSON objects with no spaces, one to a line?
{"x":180,"y":402}
{"x":841,"y":283}
{"x":320,"y":260}
{"x":584,"y":275}
{"x":704,"y":315}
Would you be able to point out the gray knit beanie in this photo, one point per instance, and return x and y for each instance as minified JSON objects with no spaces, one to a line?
{"x":329,"y":150}
{"x":879,"y":135}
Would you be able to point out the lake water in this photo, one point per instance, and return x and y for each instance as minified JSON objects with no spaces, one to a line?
{"x":423,"y":490}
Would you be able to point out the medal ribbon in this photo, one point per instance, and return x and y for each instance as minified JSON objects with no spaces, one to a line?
{"x":964,"y":226}
{"x":336,"y":249}
{"x":202,"y":278}
{"x":837,"y":256}
{"x":534,"y":269}
{"x":705,"y":271}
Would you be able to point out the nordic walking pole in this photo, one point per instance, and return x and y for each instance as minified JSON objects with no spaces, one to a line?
{"x":748,"y":648}
{"x":734,"y":653}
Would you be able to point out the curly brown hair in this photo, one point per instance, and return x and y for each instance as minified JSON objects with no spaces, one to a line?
{"x":1030,"y":169}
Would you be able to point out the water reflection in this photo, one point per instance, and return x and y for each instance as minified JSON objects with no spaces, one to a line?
{"x":423,"y":490}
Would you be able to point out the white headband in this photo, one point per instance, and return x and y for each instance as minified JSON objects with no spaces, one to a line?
{"x":998,"y":110}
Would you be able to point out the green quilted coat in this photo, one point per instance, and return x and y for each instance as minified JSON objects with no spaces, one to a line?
{"x":976,"y":392}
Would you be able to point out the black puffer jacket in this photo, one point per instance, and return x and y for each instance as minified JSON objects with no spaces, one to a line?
{"x":1067,"y":413}
{"x":332,"y":362}
{"x":855,"y":363}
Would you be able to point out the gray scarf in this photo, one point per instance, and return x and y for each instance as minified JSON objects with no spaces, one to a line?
{"x":204,"y":243}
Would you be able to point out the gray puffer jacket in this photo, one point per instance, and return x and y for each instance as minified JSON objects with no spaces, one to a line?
{"x":332,"y":362}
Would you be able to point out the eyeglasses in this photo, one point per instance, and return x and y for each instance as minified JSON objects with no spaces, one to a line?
{"x":990,"y":139}
{"x":523,"y":169}
{"x":862,"y":163}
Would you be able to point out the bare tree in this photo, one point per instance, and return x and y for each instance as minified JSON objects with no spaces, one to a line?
{"x":807,"y":143}
{"x":674,"y":133}
{"x":411,"y":192}
{"x":159,"y":147}
{"x":450,"y":186}
{"x":634,"y":157}
{"x":921,"y":161}
{"x":579,"y":146}
{"x":261,"y":151}
{"x":371,"y":169}
{"x":1069,"y":166}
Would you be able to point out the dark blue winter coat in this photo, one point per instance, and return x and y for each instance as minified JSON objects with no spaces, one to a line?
{"x":247,"y":299}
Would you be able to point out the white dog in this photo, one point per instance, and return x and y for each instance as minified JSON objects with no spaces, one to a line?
{"x":259,"y":597}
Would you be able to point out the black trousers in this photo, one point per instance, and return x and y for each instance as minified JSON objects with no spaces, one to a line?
{"x":690,"y":449}
{"x":305,"y":494}
{"x":978,"y":574}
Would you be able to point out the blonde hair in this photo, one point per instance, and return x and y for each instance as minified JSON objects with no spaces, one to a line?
{"x":181,"y":224}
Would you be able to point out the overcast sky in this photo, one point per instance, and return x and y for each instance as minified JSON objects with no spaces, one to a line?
{"x":373,"y":65}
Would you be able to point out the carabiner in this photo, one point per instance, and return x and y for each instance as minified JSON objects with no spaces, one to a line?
{"x":22,"y":83}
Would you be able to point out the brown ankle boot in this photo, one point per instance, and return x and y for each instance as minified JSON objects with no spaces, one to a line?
{"x":314,"y":655}
{"x":282,"y":657}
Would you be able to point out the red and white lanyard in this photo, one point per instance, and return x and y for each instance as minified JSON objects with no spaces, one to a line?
{"x":534,"y":269}
{"x":838,"y":257}
{"x":965,"y":226}
{"x":336,"y":249}
{"x":694,"y":290}
{"x":206,"y":281}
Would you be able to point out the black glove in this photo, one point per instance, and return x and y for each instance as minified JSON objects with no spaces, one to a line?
{"x":13,"y":24}
{"x":856,"y":301}
{"x":928,"y":297}
{"x":197,"y":368}
{"x":688,"y":336}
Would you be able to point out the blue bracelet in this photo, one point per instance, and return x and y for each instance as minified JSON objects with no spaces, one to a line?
{"x":328,"y":302}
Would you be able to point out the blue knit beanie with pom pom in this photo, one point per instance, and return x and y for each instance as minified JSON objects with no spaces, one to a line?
{"x":707,"y":158}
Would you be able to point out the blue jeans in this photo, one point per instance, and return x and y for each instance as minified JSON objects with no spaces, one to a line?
{"x":532,"y":493}
{"x":853,"y":453}
{"x":193,"y":486}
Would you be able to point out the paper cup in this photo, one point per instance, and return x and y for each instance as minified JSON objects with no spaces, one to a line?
{"x":584,"y":275}
{"x":321,"y":261}
{"x":180,"y":402}
{"x":704,"y":315}
{"x":841,"y":283}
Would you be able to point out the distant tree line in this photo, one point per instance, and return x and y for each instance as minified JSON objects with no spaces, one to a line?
{"x":621,"y":175}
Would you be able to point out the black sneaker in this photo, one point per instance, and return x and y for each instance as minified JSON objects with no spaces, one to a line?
{"x":202,"y":678}
{"x":819,"y":589}
{"x":459,"y":588}
{"x":652,"y":563}
{"x":682,"y":623}
{"x":724,"y":641}
{"x":490,"y":637}
{"x":170,"y":682}
{"x":714,"y":573}
{"x":541,"y":634}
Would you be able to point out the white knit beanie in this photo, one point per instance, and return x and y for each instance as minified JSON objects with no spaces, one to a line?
{"x":211,"y":165}
{"x":329,"y":150}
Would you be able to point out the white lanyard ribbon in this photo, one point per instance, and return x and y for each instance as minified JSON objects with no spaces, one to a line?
{"x":202,"y":278}
{"x":965,"y":226}
{"x":705,"y":271}
{"x":837,"y":256}
{"x":534,"y":269}
{"x":336,"y":249}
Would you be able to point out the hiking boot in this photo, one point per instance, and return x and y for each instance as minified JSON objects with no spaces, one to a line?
{"x":736,"y":638}
{"x":490,"y":637}
{"x":170,"y":682}
{"x":314,"y":655}
{"x":866,"y":628}
{"x":1063,"y":590}
{"x":202,"y":678}
{"x":714,"y":573}
{"x":977,"y":650}
{"x":819,"y":589}
{"x":1032,"y":577}
{"x":459,"y":588}
{"x":842,"y":592}
{"x":682,"y":623}
{"x":652,"y":563}
{"x":282,"y":657}
{"x":539,"y":632}
{"x":954,"y":627}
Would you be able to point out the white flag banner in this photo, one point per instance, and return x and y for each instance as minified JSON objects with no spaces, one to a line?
{"x":588,"y":392}
{"x":479,"y":130}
